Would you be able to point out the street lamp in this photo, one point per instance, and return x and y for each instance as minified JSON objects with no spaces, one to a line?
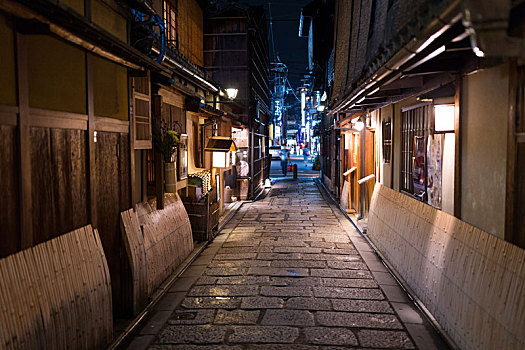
{"x":232,"y":93}
{"x":357,"y":124}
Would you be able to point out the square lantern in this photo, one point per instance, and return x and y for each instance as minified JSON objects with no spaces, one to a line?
{"x":220,"y":148}
{"x":444,"y":118}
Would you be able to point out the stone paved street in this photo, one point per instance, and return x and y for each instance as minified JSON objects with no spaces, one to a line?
{"x":287,"y":272}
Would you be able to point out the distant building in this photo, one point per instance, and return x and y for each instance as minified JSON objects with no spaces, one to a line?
{"x":236,"y":55}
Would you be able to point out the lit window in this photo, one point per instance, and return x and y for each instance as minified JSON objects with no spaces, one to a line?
{"x":171,"y":20}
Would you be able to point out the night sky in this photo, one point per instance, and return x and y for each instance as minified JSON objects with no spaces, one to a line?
{"x":291,"y":49}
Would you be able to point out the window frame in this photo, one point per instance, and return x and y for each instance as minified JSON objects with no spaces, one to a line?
{"x":416,"y":121}
{"x":171,"y":21}
{"x":144,"y":97}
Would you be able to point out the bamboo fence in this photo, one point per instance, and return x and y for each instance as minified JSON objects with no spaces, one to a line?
{"x":156,"y":242}
{"x":57,"y":295}
{"x":471,"y":281}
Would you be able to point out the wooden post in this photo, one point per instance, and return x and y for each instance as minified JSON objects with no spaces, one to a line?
{"x":341,"y":152}
{"x":24,"y":146}
{"x":362,"y":169}
{"x":510,"y":198}
{"x":91,"y":170}
{"x":132,"y":178}
{"x":251,"y":189}
{"x":392,"y":138}
{"x":144,"y":174}
{"x":156,"y":115}
{"x":458,"y":149}
{"x":159,"y":179}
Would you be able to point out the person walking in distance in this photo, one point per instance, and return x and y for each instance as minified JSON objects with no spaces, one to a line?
{"x":284,"y":160}
{"x":306,"y":154}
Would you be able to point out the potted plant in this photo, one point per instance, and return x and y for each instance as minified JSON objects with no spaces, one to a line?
{"x":317,"y":163}
{"x":166,"y":140}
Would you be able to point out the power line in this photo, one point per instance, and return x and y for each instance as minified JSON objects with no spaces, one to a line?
{"x":271,"y":31}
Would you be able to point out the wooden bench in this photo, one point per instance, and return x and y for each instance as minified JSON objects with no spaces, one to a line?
{"x":57,"y":295}
{"x":472,"y":282}
{"x":156,"y":242}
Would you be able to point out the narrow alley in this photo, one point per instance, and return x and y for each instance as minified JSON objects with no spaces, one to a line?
{"x":287,"y":272}
{"x":262,"y":174}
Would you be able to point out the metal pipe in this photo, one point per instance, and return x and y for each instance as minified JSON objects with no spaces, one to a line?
{"x":176,"y":64}
{"x":203,"y":137}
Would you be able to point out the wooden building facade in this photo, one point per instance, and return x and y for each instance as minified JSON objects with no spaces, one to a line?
{"x":424,"y":130}
{"x":84,"y":85}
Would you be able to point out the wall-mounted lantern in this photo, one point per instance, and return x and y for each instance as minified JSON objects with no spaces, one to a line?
{"x":357,"y":124}
{"x":232,"y":93}
{"x":221,"y":148}
{"x":444,"y":118}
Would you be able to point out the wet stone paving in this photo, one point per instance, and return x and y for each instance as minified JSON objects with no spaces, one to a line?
{"x":284,"y":274}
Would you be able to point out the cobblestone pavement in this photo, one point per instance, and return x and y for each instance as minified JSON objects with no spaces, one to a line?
{"x":287,"y":272}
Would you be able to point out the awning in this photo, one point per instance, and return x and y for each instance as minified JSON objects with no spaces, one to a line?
{"x":220,"y":144}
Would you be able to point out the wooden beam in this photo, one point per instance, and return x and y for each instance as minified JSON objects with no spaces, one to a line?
{"x":225,"y":34}
{"x":91,"y":173}
{"x":57,"y":120}
{"x":111,"y":125}
{"x":438,"y":66}
{"x":24,"y":146}
{"x":404,"y":83}
{"x":8,"y":115}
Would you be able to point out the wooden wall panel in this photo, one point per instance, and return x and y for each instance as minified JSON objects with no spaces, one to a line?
{"x":104,"y":16}
{"x":9,"y":210}
{"x":56,"y":74}
{"x":190,"y":19}
{"x":110,"y":89}
{"x":58,"y":166}
{"x":472,"y":282}
{"x":112,"y":197}
{"x":7,"y":57}
{"x":124,"y":172}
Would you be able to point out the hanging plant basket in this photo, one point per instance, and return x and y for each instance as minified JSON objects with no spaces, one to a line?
{"x":166,"y":140}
